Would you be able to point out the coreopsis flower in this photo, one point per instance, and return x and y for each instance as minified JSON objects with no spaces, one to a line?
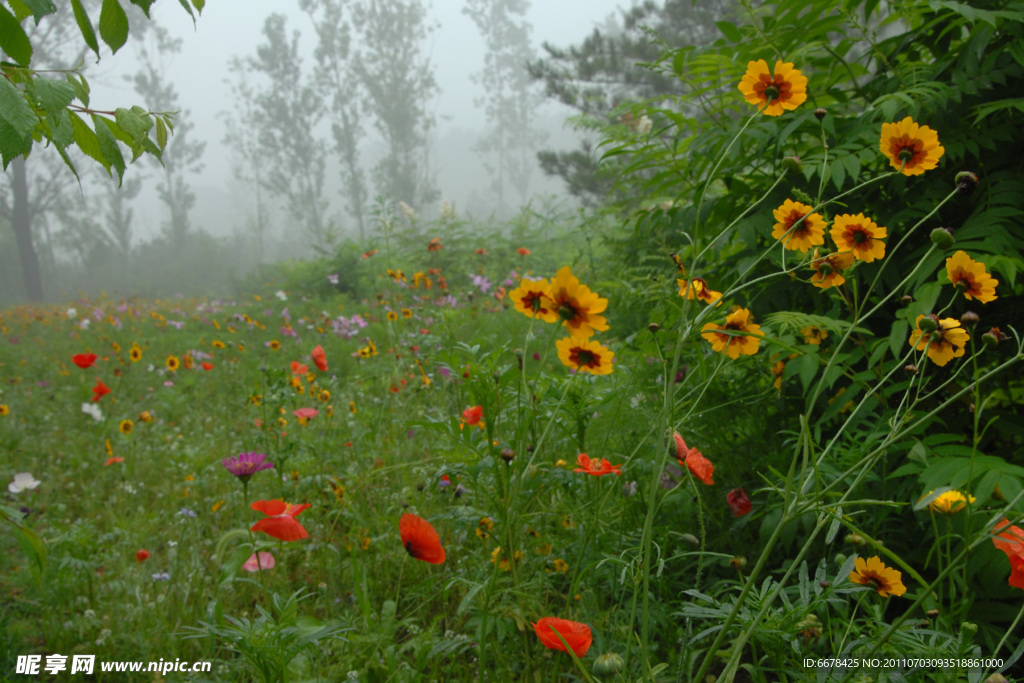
{"x":813,"y":335}
{"x":420,"y":539}
{"x":1011,"y":542}
{"x":585,"y":355}
{"x":969,"y":277}
{"x":126,"y":427}
{"x":135,"y":354}
{"x":809,"y":233}
{"x":280,"y":521}
{"x":6,"y":410}
{"x":396,"y":275}
{"x":274,"y":345}
{"x":949,"y":502}
{"x":370,"y":253}
{"x":697,"y":288}
{"x":944,"y":344}
{"x":472,"y":416}
{"x":873,"y":572}
{"x":575,"y":634}
{"x":776,"y":91}
{"x":828,"y":270}
{"x":777,"y":370}
{"x":172,"y":363}
{"x":533,"y":299}
{"x":738,"y":336}
{"x":739,"y":503}
{"x":434,"y":244}
{"x":576,"y":305}
{"x":244,"y":465}
{"x":319,"y":358}
{"x":596,"y":467}
{"x":84,"y":360}
{"x":860,"y":236}
{"x":913,"y":147}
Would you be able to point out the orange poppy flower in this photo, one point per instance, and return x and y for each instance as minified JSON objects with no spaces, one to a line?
{"x":280,"y":521}
{"x":99,"y":391}
{"x":113,"y":460}
{"x":142,"y":556}
{"x":420,"y":539}
{"x":84,"y":360}
{"x":298,"y":368}
{"x":207,"y":366}
{"x":1011,"y":542}
{"x":596,"y":467}
{"x":473,"y":415}
{"x":694,"y":460}
{"x":319,"y":358}
{"x":577,"y":635}
{"x":523,"y":251}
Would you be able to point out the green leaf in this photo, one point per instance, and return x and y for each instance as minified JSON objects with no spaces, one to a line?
{"x":113,"y":25}
{"x":15,"y":109}
{"x":81,"y":88}
{"x":12,"y":144}
{"x":161,"y":133}
{"x":136,"y":122}
{"x":13,"y":40}
{"x":199,"y":5}
{"x":87,"y":141}
{"x":32,"y":546}
{"x":37,"y":8}
{"x":730,"y":31}
{"x":144,"y":5}
{"x":85,"y":26}
{"x":54,"y":95}
{"x":108,"y":144}
{"x":188,"y":8}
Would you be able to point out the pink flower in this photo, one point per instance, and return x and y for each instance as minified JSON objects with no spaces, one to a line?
{"x":265,"y":561}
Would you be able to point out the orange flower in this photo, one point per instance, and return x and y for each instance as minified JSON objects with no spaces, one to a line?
{"x":113,"y":460}
{"x":473,"y":415}
{"x":697,"y":288}
{"x":207,"y":366}
{"x":533,"y":299}
{"x":969,"y":277}
{"x":84,"y":360}
{"x":280,"y":520}
{"x":872,"y":572}
{"x":99,"y":391}
{"x":1011,"y":542}
{"x":370,"y":253}
{"x":694,"y":460}
{"x":420,"y":539}
{"x":577,"y":635}
{"x":434,"y":244}
{"x":523,"y":251}
{"x":914,"y":148}
{"x":784,"y":89}
{"x":142,"y":556}
{"x":810,"y":232}
{"x":319,"y":358}
{"x":298,"y":368}
{"x":585,"y":355}
{"x":596,"y":467}
{"x":576,"y":305}
{"x":733,"y":345}
{"x":828,"y":270}
{"x":859,"y":234}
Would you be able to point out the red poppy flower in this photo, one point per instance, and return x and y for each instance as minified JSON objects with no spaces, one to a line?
{"x":280,"y":521}
{"x":473,"y":415}
{"x":207,"y":366}
{"x":113,"y":460}
{"x":738,"y":502}
{"x":420,"y":539}
{"x":142,"y":556}
{"x":577,"y":635}
{"x":523,"y":251}
{"x":694,"y":460}
{"x":1011,"y":542}
{"x":596,"y":467}
{"x":84,"y":360}
{"x":99,"y":391}
{"x":319,"y":358}
{"x":298,"y":368}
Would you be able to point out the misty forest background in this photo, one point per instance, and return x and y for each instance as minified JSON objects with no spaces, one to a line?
{"x":333,"y":120}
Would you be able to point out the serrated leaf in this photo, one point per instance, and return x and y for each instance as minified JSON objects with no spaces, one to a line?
{"x":80,"y":87}
{"x":38,"y":8}
{"x":12,"y":144}
{"x":113,"y":25}
{"x":20,"y":9}
{"x":188,"y":8}
{"x":133,"y":123}
{"x":108,"y":144}
{"x":144,"y":5}
{"x":13,"y":40}
{"x":730,"y":31}
{"x":15,"y":109}
{"x":54,"y":95}
{"x":85,"y":26}
{"x":87,"y":141}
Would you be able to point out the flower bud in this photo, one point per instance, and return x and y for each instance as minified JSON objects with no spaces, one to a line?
{"x":910,"y":369}
{"x":507,"y":454}
{"x":691,"y":539}
{"x":942,"y":238}
{"x":968,"y":629}
{"x":820,"y":113}
{"x":969,"y":319}
{"x":654,"y":327}
{"x":792,"y":164}
{"x":966,"y":182}
{"x":855,"y":539}
{"x":932,"y":613}
{"x":906,"y":300}
{"x":996,"y":678}
{"x":993,"y":337}
{"x":738,"y":562}
{"x":929,"y":323}
{"x":825,"y":584}
{"x":608,"y":664}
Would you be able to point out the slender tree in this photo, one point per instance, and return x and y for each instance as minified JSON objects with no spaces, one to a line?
{"x":511,"y":99}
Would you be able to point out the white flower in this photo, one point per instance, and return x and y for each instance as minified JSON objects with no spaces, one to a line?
{"x":281,"y":295}
{"x":409,"y":212}
{"x":85,"y":323}
{"x":643,"y":125}
{"x":23,"y":481}
{"x":93,"y":410}
{"x":72,"y":312}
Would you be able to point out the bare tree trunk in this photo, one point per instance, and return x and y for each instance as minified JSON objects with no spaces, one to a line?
{"x":21,"y":219}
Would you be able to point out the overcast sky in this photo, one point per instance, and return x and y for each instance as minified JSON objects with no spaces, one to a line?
{"x":229,"y":28}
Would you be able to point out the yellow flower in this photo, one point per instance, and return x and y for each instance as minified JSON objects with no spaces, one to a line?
{"x":392,"y":316}
{"x":135,"y":354}
{"x":738,"y":336}
{"x":352,"y":407}
{"x":785,"y":89}
{"x":533,"y":299}
{"x":872,"y":572}
{"x":585,"y":355}
{"x":217,"y":344}
{"x":217,"y":506}
{"x":915,"y":148}
{"x":116,"y":347}
{"x":576,"y":305}
{"x":809,"y":233}
{"x":406,"y":313}
{"x":172,"y":363}
{"x":364,"y":352}
{"x":324,"y":396}
{"x":828,"y":269}
{"x":969,"y":277}
{"x":145,"y":416}
{"x":813,"y":335}
{"x":859,"y":235}
{"x":950,"y":502}
{"x":777,"y":370}
{"x":274,"y":345}
{"x":126,"y":426}
{"x":561,"y":566}
{"x":697,"y":288}
{"x":944,"y":344}
{"x":484,"y":527}
{"x":4,"y":409}
{"x":396,"y":275}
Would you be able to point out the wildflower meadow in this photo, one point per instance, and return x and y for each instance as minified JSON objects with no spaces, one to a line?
{"x":756,"y":420}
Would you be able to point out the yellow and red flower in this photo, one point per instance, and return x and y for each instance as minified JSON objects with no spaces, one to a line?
{"x":873,"y":572}
{"x":739,"y":336}
{"x":778,"y":91}
{"x":859,"y":235}
{"x":585,"y":355}
{"x":969,"y":276}
{"x":828,"y":270}
{"x":944,"y":343}
{"x":697,"y":288}
{"x":533,"y":299}
{"x":809,"y":233}
{"x":913,"y":147}
{"x":576,"y":305}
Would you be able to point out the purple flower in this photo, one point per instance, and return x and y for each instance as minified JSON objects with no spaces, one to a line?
{"x":187,"y":512}
{"x":333,"y":279}
{"x":481,"y":282}
{"x":161,"y":576}
{"x":247,"y":464}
